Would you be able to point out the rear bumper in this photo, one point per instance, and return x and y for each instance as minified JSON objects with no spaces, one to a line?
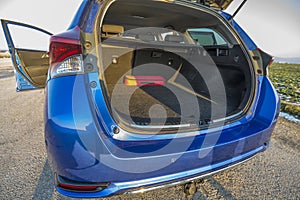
{"x":81,"y":149}
{"x":148,"y":184}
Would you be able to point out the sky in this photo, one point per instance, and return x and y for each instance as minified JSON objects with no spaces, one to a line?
{"x":272,"y":24}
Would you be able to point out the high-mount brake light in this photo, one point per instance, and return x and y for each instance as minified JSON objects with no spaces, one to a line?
{"x":65,"y":57}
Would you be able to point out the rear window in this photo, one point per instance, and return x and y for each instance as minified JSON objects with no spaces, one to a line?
{"x":206,"y":37}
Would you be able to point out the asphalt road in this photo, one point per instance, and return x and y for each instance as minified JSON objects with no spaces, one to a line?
{"x":25,"y":173}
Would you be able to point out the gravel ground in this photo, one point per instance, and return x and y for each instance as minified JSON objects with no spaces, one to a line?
{"x":25,"y":173}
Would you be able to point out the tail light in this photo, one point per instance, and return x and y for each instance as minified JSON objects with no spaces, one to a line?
{"x":76,"y":186}
{"x":65,"y":57}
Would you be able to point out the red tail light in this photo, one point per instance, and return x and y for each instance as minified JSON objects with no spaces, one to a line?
{"x":71,"y":185}
{"x":78,"y":187}
{"x":65,"y":54}
{"x":60,"y":51}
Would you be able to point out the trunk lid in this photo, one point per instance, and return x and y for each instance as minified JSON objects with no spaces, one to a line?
{"x":215,"y":4}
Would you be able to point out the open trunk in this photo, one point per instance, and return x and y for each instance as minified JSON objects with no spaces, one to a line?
{"x":170,"y":67}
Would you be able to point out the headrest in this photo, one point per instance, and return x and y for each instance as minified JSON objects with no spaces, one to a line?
{"x":109,"y":30}
{"x":146,"y":37}
{"x":174,"y":38}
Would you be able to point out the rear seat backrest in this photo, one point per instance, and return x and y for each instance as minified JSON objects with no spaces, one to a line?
{"x":109,"y":30}
{"x":146,"y":37}
{"x":174,"y":38}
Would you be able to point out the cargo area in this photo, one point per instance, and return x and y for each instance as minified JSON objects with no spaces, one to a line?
{"x":185,"y":70}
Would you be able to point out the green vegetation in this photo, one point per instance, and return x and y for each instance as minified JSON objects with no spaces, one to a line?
{"x":292,"y":109}
{"x":286,"y":79}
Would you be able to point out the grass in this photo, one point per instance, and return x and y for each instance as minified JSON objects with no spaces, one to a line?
{"x":286,"y":79}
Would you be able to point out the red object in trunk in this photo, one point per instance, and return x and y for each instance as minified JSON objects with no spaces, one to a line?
{"x":144,"y":80}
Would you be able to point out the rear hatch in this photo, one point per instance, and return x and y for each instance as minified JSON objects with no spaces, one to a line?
{"x":215,"y":4}
{"x":170,"y":67}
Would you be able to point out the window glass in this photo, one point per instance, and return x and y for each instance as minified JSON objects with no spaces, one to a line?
{"x":206,"y":37}
{"x":28,"y":38}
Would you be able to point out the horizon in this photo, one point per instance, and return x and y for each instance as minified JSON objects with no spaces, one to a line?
{"x":276,"y":34}
{"x":295,"y":60}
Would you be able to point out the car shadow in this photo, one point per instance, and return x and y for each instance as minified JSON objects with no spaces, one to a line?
{"x":44,"y":187}
{"x":223,"y":191}
{"x":203,"y":194}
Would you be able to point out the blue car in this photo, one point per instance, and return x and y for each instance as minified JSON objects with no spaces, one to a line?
{"x":144,"y":94}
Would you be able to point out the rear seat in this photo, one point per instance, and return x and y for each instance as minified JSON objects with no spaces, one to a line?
{"x":145,"y":57}
{"x":174,"y":38}
{"x":146,"y":37}
{"x":155,"y":62}
{"x":117,"y":60}
{"x":109,"y":30}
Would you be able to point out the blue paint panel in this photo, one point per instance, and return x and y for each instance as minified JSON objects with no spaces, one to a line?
{"x":79,"y":15}
{"x":79,"y":149}
{"x":22,"y":84}
{"x":85,"y":16}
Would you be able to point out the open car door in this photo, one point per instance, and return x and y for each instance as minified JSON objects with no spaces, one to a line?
{"x":28,"y":47}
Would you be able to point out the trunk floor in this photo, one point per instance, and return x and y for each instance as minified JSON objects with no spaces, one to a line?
{"x":165,"y":105}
